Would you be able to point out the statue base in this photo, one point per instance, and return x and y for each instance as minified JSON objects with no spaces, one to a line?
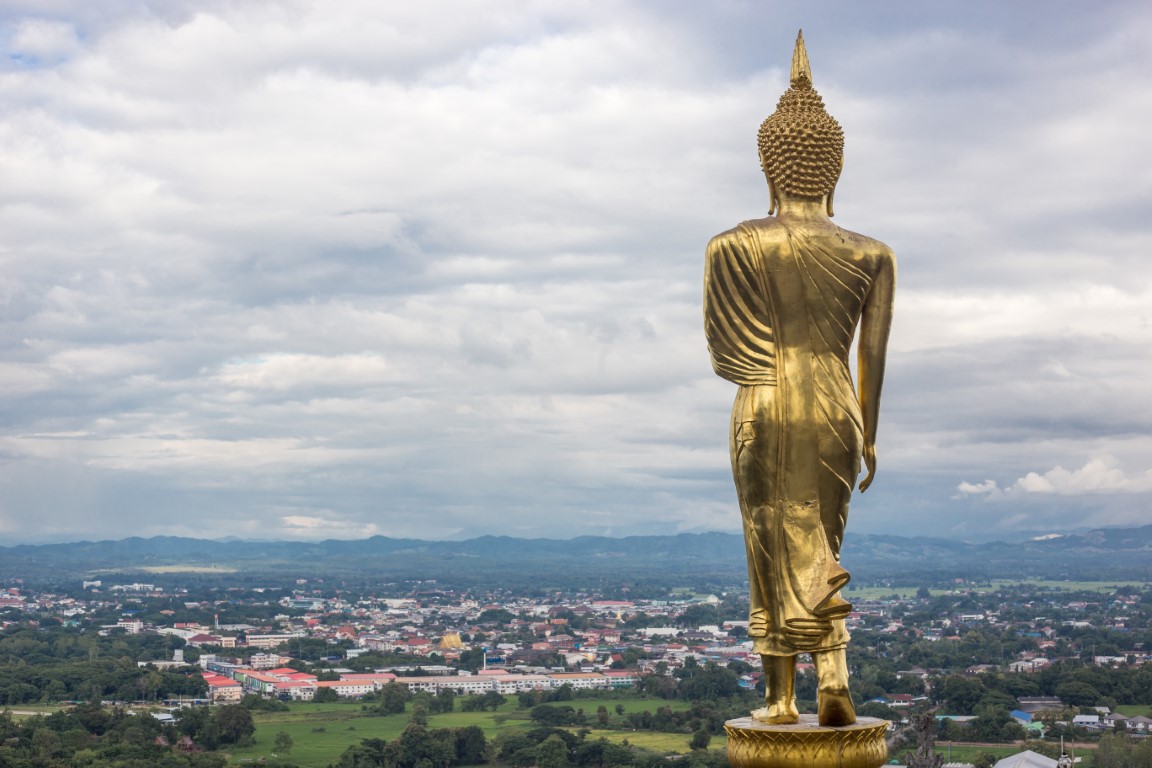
{"x":806,"y":744}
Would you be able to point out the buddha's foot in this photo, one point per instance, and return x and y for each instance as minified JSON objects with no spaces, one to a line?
{"x":776,"y":715}
{"x":835,"y":709}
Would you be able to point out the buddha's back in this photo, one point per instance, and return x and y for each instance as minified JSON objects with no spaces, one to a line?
{"x":783,"y":298}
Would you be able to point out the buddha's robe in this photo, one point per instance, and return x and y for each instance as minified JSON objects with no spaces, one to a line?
{"x":780,"y":313}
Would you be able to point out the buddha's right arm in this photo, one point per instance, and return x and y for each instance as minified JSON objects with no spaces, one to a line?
{"x":875,"y":326}
{"x":737,"y":323}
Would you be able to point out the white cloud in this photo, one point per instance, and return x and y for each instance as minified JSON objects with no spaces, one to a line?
{"x":315,"y":526}
{"x":988,"y":486}
{"x":363,"y":263}
{"x":43,"y":41}
{"x":290,"y":371}
{"x":938,"y":318}
{"x":1101,"y":475}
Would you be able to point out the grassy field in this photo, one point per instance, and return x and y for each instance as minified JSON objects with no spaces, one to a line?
{"x":877,"y":593}
{"x":187,"y":569}
{"x":630,"y":705}
{"x":905,"y":593}
{"x":966,"y":754}
{"x":870,"y":592}
{"x":1074,"y":586}
{"x":656,"y":742}
{"x":321,"y":732}
{"x":1134,"y":709}
{"x":31,"y":710}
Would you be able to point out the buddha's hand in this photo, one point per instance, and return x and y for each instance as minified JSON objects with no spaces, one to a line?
{"x":870,"y":463}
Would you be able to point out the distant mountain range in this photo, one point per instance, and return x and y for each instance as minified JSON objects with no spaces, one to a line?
{"x":1120,"y":553}
{"x":1104,"y":553}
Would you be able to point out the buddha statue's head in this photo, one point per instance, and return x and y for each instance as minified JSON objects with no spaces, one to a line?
{"x":801,"y":145}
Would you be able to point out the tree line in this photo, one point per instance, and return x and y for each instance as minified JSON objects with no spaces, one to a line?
{"x":93,"y":736}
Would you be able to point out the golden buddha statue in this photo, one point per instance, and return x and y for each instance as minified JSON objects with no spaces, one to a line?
{"x":782,"y":301}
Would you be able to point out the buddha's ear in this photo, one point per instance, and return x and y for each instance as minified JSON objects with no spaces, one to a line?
{"x":773,"y":198}
{"x":832,"y":192}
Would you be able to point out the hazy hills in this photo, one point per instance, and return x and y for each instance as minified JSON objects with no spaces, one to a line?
{"x":505,"y":561}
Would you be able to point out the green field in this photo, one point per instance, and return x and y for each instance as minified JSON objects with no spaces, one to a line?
{"x":186,"y":569}
{"x":966,"y":754}
{"x":1134,"y":709}
{"x":321,"y":732}
{"x":630,"y":705}
{"x":870,"y":592}
{"x":878,"y":593}
{"x":1073,"y":586}
{"x":20,"y":711}
{"x":655,"y":742}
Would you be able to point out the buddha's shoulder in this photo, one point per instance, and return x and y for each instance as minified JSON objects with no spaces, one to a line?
{"x":868,"y":245}
{"x":766,"y":234}
{"x":768,"y":230}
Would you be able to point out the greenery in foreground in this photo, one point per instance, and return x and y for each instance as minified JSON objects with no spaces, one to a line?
{"x":359,"y":735}
{"x":593,"y":732}
{"x":112,"y":737}
{"x":551,"y":730}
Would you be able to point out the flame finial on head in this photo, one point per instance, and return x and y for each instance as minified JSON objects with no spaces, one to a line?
{"x":801,"y":69}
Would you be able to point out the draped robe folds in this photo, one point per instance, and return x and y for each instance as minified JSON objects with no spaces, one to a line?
{"x":781,"y":310}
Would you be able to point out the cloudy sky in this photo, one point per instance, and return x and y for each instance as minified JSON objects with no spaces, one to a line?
{"x":290,"y":269}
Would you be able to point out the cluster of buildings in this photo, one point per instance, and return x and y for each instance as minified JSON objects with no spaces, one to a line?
{"x":584,"y":637}
{"x":1109,"y":721}
{"x":230,"y":681}
{"x":531,"y":642}
{"x":1046,"y":617}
